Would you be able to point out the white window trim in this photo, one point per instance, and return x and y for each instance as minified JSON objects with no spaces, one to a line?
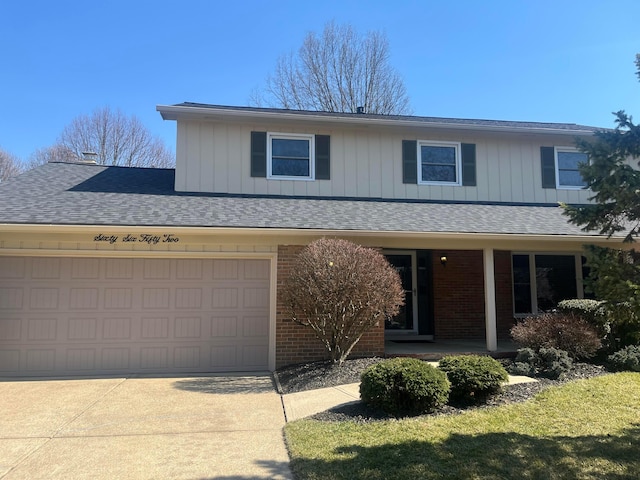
{"x":292,"y":136}
{"x":430,"y":143}
{"x":557,"y":169}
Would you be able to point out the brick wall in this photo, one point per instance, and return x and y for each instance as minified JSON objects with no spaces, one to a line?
{"x":296,"y":343}
{"x":458,"y":294}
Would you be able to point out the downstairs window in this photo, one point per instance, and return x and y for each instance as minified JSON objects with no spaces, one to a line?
{"x":540,"y":281}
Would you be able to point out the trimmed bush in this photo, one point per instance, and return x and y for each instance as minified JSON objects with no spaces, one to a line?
{"x":562,"y":331}
{"x":404,"y":386}
{"x":626,"y":359}
{"x":473,"y":377}
{"x":593,"y":311}
{"x":547,"y":362}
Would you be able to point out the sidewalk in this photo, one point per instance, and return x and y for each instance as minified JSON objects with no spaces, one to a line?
{"x":304,"y":404}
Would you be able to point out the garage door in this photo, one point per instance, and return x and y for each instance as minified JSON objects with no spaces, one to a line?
{"x":87,"y":316}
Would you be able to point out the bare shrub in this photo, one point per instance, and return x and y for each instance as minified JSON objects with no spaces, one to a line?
{"x":562,"y":331}
{"x":341,"y":290}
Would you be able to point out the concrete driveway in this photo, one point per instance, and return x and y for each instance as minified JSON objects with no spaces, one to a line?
{"x":223,"y":427}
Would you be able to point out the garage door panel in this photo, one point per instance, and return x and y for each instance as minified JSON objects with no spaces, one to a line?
{"x":83,"y":298}
{"x":41,"y":359}
{"x":226,"y":270}
{"x":157,"y":269}
{"x":256,"y":270}
{"x":85,"y":268}
{"x":252,"y":355}
{"x":9,"y":360}
{"x":11,"y":298}
{"x":96,"y":316}
{"x":82,"y":329}
{"x":154,"y":328}
{"x":222,"y":327}
{"x":81,"y":359}
{"x":119,"y":268}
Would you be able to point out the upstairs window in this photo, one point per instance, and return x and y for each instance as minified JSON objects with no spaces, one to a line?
{"x":567,"y":172}
{"x":290,"y":156}
{"x":439,"y":163}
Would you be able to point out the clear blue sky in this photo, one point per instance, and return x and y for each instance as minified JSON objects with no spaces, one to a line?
{"x":536,"y":60}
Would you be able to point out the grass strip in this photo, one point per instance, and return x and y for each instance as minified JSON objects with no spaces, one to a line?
{"x":588,"y":429}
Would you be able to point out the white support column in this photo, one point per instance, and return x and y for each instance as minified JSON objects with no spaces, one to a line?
{"x":490,"y":300}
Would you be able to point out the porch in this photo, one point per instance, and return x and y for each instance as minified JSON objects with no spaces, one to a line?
{"x":436,"y":349}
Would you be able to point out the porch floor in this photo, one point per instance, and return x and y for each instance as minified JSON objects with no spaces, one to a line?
{"x":436,"y":349}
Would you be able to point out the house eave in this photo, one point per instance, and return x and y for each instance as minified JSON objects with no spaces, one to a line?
{"x":307,"y":233}
{"x":211,"y":113}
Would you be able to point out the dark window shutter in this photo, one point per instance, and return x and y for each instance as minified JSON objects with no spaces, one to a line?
{"x":548,"y":160}
{"x":258,"y":154}
{"x":409,"y":161}
{"x":323,"y":165}
{"x":468,"y":164}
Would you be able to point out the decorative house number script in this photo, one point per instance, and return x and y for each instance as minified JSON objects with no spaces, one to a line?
{"x":143,"y":237}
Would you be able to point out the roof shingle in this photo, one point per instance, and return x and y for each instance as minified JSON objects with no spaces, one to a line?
{"x":77,"y":194}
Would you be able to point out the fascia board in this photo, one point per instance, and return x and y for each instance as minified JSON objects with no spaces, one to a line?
{"x":175,"y":112}
{"x":280,"y":232}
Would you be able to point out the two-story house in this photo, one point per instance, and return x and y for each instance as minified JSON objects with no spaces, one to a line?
{"x":118,"y":270}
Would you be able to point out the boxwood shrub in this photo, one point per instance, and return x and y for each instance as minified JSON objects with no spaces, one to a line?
{"x":404,"y":386}
{"x":546,"y":362}
{"x":473,"y":377}
{"x":627,"y":358}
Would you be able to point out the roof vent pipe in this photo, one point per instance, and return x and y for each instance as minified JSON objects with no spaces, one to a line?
{"x":360,"y":110}
{"x":90,"y":157}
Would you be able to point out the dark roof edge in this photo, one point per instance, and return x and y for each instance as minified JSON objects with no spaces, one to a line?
{"x":368,"y":199}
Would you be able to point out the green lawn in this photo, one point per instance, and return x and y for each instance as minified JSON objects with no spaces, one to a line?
{"x":588,"y":429}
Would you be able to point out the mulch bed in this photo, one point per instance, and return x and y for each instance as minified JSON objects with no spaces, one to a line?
{"x":315,"y":375}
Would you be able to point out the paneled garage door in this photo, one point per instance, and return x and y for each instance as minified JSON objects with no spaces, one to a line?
{"x":87,"y":316}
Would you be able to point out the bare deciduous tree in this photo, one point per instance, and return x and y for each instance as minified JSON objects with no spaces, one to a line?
{"x":341,"y":290}
{"x":116,"y":139}
{"x":337,"y":72}
{"x":9,"y":165}
{"x":54,"y":153}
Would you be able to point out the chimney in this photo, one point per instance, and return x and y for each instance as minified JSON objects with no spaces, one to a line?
{"x":360,"y":110}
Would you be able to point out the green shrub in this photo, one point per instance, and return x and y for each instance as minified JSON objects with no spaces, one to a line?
{"x":627,"y":358}
{"x":404,"y":386}
{"x":525,"y":363}
{"x":547,"y":362}
{"x":563,"y":331}
{"x":473,"y":377}
{"x":593,"y":311}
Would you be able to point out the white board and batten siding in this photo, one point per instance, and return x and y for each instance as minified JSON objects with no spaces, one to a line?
{"x":215,"y":157}
{"x":94,"y":316}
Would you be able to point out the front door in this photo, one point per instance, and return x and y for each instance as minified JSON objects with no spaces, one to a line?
{"x":407,"y":320}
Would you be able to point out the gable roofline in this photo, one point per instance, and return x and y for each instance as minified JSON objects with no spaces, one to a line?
{"x":201,"y":111}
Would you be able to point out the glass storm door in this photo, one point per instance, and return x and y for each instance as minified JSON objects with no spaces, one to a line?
{"x":405,"y":264}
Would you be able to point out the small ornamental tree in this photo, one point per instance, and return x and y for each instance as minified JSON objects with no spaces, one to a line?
{"x":341,"y":290}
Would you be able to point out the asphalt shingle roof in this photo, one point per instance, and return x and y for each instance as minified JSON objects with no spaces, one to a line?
{"x":80,"y":194}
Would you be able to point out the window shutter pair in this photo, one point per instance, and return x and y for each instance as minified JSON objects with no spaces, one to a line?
{"x":410,"y":162}
{"x":259,"y":156}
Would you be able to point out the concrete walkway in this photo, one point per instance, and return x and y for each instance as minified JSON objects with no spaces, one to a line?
{"x":223,"y":427}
